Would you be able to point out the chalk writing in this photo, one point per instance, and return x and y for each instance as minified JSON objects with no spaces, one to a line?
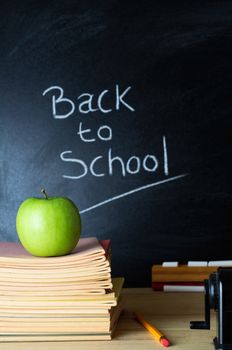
{"x":109,"y":163}
{"x":86,"y":101}
{"x":132,"y":166}
{"x":104,"y":133}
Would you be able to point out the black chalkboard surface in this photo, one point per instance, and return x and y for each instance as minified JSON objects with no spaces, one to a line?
{"x":125,"y":107}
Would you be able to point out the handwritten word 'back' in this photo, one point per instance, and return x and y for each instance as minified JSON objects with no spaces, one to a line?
{"x":87,"y":103}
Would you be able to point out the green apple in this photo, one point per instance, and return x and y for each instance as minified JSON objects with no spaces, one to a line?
{"x":48,"y":226}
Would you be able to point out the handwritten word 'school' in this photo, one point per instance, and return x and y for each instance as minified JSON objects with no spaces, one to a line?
{"x":86,"y":102}
{"x":111,"y":163}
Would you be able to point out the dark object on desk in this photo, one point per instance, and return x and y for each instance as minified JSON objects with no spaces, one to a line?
{"x":218,"y":296}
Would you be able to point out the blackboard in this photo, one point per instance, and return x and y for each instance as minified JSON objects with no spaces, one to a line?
{"x":124,"y":107}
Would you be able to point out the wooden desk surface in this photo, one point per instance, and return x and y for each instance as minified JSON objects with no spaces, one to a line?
{"x":170,"y":312}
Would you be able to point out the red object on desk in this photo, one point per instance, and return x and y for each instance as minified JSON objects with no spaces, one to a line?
{"x":159,"y":286}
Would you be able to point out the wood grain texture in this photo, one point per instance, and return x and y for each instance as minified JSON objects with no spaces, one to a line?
{"x":182,"y":273}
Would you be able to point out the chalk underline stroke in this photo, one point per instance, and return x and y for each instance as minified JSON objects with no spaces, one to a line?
{"x":133,"y":191}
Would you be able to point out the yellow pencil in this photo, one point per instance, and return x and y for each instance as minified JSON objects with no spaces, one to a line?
{"x":152,"y":329}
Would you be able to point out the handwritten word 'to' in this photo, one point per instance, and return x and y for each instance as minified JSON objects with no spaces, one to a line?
{"x":104,"y":133}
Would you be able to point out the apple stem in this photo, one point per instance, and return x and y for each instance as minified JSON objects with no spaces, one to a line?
{"x":44,"y":193}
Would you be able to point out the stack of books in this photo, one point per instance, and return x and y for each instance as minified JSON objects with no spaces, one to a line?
{"x":70,"y":297}
{"x":180,"y":278}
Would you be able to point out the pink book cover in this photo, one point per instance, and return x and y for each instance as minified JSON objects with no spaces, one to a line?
{"x":86,"y":247}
